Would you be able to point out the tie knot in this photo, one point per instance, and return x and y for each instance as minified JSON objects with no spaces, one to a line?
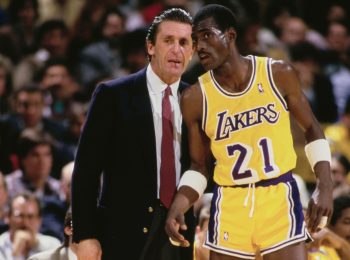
{"x":167,"y":91}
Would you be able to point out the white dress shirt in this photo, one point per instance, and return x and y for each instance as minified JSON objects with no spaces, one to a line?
{"x":156,"y":89}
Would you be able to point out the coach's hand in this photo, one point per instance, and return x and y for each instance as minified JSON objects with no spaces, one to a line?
{"x":89,"y":249}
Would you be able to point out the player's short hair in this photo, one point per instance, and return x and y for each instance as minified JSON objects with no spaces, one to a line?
{"x":223,"y":17}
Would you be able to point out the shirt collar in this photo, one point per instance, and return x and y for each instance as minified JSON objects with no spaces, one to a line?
{"x":156,"y":85}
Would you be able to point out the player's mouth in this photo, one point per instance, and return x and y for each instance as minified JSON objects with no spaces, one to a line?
{"x":203,"y":56}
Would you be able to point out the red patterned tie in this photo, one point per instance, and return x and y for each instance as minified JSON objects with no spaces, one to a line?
{"x":167,"y":165}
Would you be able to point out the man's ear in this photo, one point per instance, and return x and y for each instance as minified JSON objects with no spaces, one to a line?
{"x":150,"y":48}
{"x":232,"y":33}
{"x":68,"y":231}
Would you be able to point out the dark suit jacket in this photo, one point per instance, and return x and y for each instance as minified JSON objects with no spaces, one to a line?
{"x":118,"y":139}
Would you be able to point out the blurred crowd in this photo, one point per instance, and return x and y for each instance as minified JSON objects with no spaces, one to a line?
{"x":53,"y":53}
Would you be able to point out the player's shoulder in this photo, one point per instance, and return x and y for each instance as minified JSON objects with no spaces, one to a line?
{"x":192,"y":91}
{"x":281,"y":66}
{"x":192,"y":96}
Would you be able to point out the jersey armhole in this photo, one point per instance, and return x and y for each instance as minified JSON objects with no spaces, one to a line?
{"x":273,"y":85}
{"x":204,"y":104}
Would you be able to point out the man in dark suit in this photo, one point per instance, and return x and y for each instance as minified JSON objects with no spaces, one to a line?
{"x":122,"y":141}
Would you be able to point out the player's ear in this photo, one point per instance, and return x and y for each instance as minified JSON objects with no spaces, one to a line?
{"x":232,"y":33}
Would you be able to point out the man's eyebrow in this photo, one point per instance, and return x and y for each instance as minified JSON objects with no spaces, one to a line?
{"x":203,"y":29}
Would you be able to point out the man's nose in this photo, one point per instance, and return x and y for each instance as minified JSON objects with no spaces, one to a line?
{"x":176,"y":47}
{"x":200,"y":45}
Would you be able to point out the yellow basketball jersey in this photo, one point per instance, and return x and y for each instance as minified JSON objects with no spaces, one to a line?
{"x":249,"y":131}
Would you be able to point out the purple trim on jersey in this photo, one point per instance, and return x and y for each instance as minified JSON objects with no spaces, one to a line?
{"x":273,"y":86}
{"x":205,"y":112}
{"x":291,"y":211}
{"x":224,"y":92}
{"x":303,"y":237}
{"x":298,"y":209}
{"x":214,"y":214}
{"x":286,"y":177}
{"x":231,"y":252}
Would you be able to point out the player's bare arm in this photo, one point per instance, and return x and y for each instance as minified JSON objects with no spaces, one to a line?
{"x":288,"y":84}
{"x":191,"y":107}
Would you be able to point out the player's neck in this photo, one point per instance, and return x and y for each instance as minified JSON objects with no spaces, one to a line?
{"x":234,"y":75}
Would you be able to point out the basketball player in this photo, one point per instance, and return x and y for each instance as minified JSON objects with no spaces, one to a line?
{"x":239,"y":112}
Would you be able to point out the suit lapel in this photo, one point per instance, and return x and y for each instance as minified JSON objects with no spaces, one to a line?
{"x":141,"y":105}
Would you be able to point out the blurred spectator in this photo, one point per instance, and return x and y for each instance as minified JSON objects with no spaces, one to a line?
{"x":338,"y":134}
{"x":276,"y":13}
{"x":340,"y":168}
{"x":5,"y":84}
{"x":319,"y":13}
{"x":75,"y":121}
{"x":133,"y":51}
{"x":102,"y":59}
{"x":3,"y":204}
{"x":64,"y":252}
{"x":60,"y":87}
{"x":314,"y":83}
{"x":52,"y":39}
{"x":35,"y":155}
{"x":66,"y":179}
{"x":333,"y":243}
{"x":23,"y":238}
{"x":335,"y":60}
{"x":84,"y":27}
{"x":338,"y":41}
{"x":247,"y":38}
{"x":336,"y":11}
{"x":149,"y":10}
{"x":60,"y":9}
{"x":293,"y":31}
{"x":340,"y":221}
{"x":20,"y":32}
{"x":28,"y":113}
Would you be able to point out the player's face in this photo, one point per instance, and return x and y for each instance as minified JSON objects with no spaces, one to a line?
{"x":211,"y":43}
{"x":172,"y":50}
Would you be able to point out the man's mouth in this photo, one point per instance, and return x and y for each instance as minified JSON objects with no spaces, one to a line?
{"x":175,"y":62}
{"x":203,"y":55}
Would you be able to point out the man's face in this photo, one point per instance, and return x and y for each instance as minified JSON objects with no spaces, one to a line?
{"x":172,"y":50}
{"x":24,"y":216}
{"x":114,"y":26}
{"x":342,"y":227}
{"x":38,"y":162}
{"x":337,"y":37}
{"x":338,"y":172}
{"x":55,"y":42}
{"x":293,"y":32}
{"x":210,"y":43}
{"x":3,"y":192}
{"x":58,"y":80}
{"x":30,"y":106}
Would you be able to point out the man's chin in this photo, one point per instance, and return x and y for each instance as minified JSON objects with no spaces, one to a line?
{"x":176,"y":72}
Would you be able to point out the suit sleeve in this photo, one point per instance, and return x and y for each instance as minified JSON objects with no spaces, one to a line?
{"x":93,"y":150}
